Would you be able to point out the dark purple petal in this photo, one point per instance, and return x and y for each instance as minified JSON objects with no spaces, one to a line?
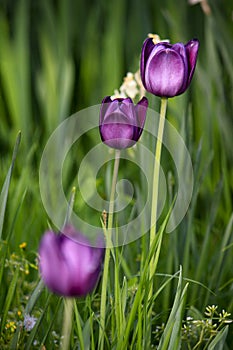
{"x":181,"y":50}
{"x":121,"y":125}
{"x":127,"y":108}
{"x":141,"y":109}
{"x":70,"y":232}
{"x":117,"y":135}
{"x":82,"y":265}
{"x":192,"y":51}
{"x":165,"y":73}
{"x":147,"y":48}
{"x":68,"y":267}
{"x":104,"y":106}
{"x":51,"y":263}
{"x":167,"y":70}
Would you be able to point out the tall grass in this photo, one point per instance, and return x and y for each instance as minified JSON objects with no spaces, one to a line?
{"x":56,"y":60}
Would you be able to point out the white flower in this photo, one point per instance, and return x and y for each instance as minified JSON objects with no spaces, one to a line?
{"x":138,"y":79}
{"x":29,"y":322}
{"x":193,"y":2}
{"x":118,"y":94}
{"x":129,"y":86}
{"x":204,"y":5}
{"x":156,"y":38}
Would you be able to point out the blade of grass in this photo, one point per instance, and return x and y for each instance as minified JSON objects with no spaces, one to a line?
{"x":15,"y":339}
{"x":34,"y":331}
{"x":143,"y":283}
{"x":175,"y":340}
{"x":87,"y":334}
{"x":9,"y":297}
{"x":170,"y":338}
{"x":5,"y":244}
{"x":199,"y":179}
{"x":34,"y":296}
{"x":202,"y":263}
{"x":79,"y":328}
{"x":5,"y":189}
{"x":219,"y":263}
{"x":48,"y":329}
{"x":219,"y":341}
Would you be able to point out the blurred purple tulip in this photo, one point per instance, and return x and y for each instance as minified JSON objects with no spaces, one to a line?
{"x":69,"y":265}
{"x":122,"y":122}
{"x":167,"y":70}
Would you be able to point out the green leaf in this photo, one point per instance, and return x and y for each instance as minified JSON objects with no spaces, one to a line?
{"x":219,"y":340}
{"x":171,"y":336}
{"x":54,"y":318}
{"x":9,"y":297}
{"x":38,"y":323}
{"x":5,"y":188}
{"x":33,"y":298}
{"x":79,"y":328}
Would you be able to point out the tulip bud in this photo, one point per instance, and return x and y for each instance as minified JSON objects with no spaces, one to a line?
{"x":122,"y":122}
{"x":166,"y":69}
{"x":68,"y":264}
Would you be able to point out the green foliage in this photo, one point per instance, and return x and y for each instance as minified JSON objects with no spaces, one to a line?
{"x":59,"y":57}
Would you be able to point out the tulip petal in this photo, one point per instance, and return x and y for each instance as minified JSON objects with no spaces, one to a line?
{"x":51,"y":263}
{"x":181,"y":50}
{"x":167,"y":70}
{"x":127,"y":108}
{"x":147,"y":48}
{"x":121,"y":125}
{"x":192,"y":51}
{"x":117,"y":135}
{"x":165,"y":73}
{"x":104,"y":106}
{"x":78,"y":259}
{"x":141,"y":109}
{"x":68,"y":267}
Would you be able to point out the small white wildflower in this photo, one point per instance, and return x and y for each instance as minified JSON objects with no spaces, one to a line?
{"x":138,"y":79}
{"x":193,"y":2}
{"x":210,"y":310}
{"x":204,"y":5}
{"x":156,"y":39}
{"x":118,"y":94}
{"x":129,"y":86}
{"x":189,"y":318}
{"x":223,"y":317}
{"x":29,"y":322}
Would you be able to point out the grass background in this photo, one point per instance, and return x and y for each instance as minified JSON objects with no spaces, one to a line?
{"x":59,"y":57}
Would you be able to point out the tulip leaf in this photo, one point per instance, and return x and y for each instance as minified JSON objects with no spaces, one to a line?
{"x":219,"y":341}
{"x":5,"y":188}
{"x":9,"y":297}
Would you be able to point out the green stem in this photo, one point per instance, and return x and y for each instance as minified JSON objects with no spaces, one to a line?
{"x":67,"y":324}
{"x":107,"y":252}
{"x":154,"y":209}
{"x":113,"y":189}
{"x":154,"y":204}
{"x":79,"y":327}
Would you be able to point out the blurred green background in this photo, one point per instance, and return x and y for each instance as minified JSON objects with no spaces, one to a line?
{"x":58,"y":57}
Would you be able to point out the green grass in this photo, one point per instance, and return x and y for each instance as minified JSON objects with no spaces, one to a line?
{"x":56,"y":60}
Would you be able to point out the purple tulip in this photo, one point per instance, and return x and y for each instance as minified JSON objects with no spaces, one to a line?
{"x":166,"y":69}
{"x":69,"y":265}
{"x":122,"y":122}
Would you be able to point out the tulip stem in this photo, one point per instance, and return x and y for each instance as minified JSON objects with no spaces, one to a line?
{"x":107,"y":232}
{"x":67,"y":323}
{"x":158,"y":149}
{"x":155,"y":192}
{"x":113,"y":188}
